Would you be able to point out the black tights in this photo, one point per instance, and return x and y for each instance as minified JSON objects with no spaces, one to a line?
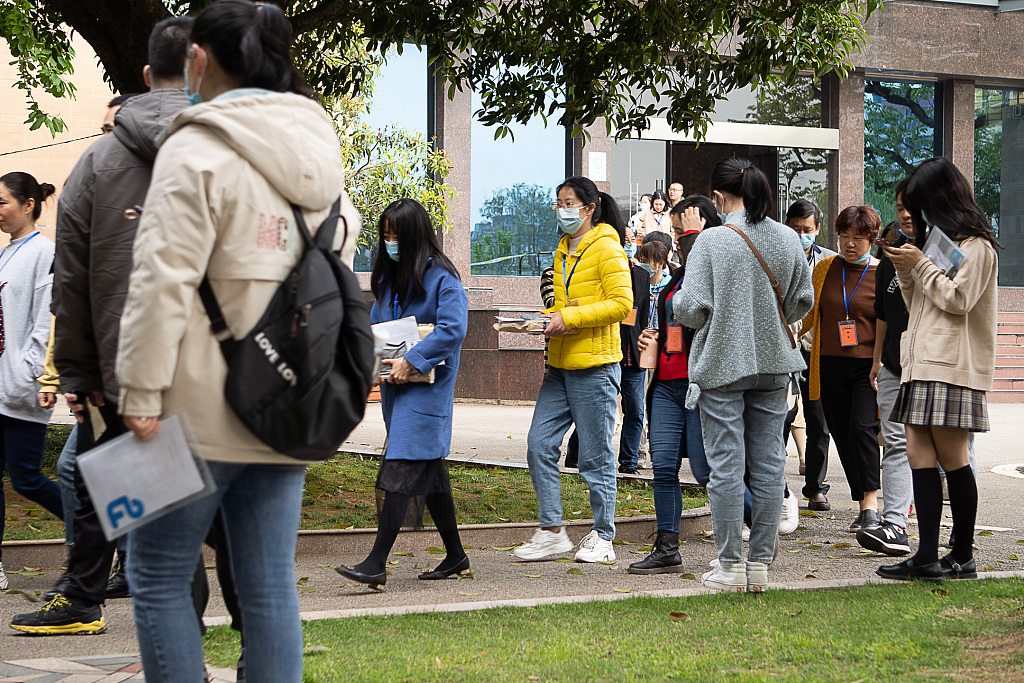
{"x":389,"y":523}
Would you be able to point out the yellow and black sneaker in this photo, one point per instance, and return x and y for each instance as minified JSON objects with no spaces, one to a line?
{"x":60,"y":616}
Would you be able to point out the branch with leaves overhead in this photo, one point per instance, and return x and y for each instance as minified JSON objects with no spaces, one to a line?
{"x":571,"y":62}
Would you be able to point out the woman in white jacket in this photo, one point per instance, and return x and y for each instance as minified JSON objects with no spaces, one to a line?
{"x":218,"y":206}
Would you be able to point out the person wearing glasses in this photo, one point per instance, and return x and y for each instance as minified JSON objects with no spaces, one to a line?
{"x":593,"y":294}
{"x":842,"y":354}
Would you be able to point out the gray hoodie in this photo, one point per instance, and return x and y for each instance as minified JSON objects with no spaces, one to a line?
{"x":25,"y":281}
{"x":94,"y":241}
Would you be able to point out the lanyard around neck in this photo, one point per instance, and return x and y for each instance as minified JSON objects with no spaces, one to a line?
{"x":11,"y":258}
{"x":848,"y":299}
{"x":568,"y":278}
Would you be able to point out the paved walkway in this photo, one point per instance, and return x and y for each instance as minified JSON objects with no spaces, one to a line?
{"x":821,"y":554}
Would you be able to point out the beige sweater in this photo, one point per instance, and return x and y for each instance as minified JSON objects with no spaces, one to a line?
{"x":951,"y":336}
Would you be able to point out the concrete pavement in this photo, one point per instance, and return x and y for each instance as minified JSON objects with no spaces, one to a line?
{"x":813,"y":557}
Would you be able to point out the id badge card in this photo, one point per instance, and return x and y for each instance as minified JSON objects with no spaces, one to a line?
{"x":630,"y":319}
{"x":674,"y":340}
{"x":574,"y":302}
{"x":847,"y":333}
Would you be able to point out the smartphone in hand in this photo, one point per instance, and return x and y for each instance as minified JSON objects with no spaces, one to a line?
{"x":882,"y":242}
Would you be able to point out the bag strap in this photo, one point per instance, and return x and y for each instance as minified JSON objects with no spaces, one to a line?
{"x":325,"y":233}
{"x":771,"y":277}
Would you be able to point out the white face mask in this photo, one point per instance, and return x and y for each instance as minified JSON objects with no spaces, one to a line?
{"x":644,"y":206}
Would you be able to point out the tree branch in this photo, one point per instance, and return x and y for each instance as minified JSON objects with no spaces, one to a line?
{"x":876,"y":88}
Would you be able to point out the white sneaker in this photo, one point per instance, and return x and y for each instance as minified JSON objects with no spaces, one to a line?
{"x":727,"y":577}
{"x":746,"y":533}
{"x":757,"y":577}
{"x":543,"y":544}
{"x":790,"y":518}
{"x":593,"y":548}
{"x":4,"y":583}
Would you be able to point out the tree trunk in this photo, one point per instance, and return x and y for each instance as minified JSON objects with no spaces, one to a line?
{"x":118,"y":30}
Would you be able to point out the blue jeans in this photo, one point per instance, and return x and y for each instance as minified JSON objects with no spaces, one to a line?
{"x":586,"y":398}
{"x":632,"y":416}
{"x":66,"y":477}
{"x":21,"y":453}
{"x":742,"y":424}
{"x":261,"y":506}
{"x":675,"y":434}
{"x":66,"y":465}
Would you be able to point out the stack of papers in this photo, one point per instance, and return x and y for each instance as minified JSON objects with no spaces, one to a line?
{"x":943,"y":252}
{"x":132,"y":483}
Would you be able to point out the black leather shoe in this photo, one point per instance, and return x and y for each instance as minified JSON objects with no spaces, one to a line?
{"x":818,"y":502}
{"x":867,"y":519}
{"x":908,"y":571}
{"x":952,"y":569}
{"x":58,"y":588}
{"x":627,"y":469}
{"x":117,"y":586}
{"x":376,"y":581}
{"x":460,"y":567}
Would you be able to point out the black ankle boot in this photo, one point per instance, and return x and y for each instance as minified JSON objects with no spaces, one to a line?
{"x":664,"y":559}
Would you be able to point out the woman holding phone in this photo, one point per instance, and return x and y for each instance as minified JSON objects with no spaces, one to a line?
{"x":948,"y":361}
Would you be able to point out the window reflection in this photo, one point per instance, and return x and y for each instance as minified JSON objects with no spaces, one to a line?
{"x":899,"y":133}
{"x":999,"y":175}
{"x":513,"y":184}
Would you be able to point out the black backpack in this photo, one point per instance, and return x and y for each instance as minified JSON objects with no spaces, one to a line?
{"x":300,"y":379}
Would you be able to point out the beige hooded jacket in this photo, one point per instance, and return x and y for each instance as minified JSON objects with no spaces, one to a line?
{"x":219,"y":205}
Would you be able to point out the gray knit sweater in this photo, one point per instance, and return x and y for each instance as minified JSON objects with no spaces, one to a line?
{"x":727,"y":298}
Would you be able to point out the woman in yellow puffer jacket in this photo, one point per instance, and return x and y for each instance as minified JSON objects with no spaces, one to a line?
{"x":593,"y":294}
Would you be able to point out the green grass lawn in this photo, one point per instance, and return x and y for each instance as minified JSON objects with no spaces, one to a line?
{"x":340,"y":495}
{"x":966,"y":631}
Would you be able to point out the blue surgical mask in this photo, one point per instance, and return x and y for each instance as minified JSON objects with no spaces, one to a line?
{"x":924,"y":217}
{"x":806,"y":241}
{"x":569,"y":220}
{"x":630,"y":248}
{"x":859,"y":261}
{"x":193,"y":97}
{"x":647,"y":267}
{"x":909,"y":237}
{"x":392,"y":249}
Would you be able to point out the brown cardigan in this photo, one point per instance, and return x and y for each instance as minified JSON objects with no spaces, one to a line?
{"x":951,"y":336}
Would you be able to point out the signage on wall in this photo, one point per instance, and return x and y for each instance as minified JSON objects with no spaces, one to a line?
{"x":598,"y":168}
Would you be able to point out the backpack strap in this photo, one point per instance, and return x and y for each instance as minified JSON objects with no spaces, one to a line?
{"x":219,"y":325}
{"x":771,"y":278}
{"x":325,"y":233}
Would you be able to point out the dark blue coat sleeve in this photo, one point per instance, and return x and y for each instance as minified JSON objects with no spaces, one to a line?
{"x":449,"y":330}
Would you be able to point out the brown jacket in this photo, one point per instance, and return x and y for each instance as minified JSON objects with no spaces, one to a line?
{"x":951,"y":336}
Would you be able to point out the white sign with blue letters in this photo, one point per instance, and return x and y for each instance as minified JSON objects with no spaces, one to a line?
{"x":132,"y":483}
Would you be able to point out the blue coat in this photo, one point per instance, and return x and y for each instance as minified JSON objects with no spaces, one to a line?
{"x":422,"y":413}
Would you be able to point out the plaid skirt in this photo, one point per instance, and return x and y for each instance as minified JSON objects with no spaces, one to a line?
{"x":938,"y":404}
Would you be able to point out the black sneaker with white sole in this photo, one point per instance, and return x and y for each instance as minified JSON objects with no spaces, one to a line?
{"x":887,"y":538}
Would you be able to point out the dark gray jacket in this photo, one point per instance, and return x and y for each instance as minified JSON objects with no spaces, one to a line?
{"x":94,"y":241}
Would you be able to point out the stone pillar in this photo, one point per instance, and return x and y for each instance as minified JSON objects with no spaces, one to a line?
{"x":452,"y":129}
{"x":850,"y":106}
{"x":958,"y":125}
{"x":599,"y":142}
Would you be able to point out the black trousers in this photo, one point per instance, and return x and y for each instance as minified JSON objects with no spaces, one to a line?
{"x":851,"y":411}
{"x":90,"y":558}
{"x":816,"y":449}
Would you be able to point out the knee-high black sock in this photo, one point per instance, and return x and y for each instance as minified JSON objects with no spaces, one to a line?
{"x":928,"y":500}
{"x":963,"y":503}
{"x":442,"y":510}
{"x":389,"y":522}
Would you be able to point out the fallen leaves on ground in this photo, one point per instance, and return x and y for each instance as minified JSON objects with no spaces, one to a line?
{"x":678,"y":616}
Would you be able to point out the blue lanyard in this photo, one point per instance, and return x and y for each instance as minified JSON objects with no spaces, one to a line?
{"x":847,"y":300}
{"x":394,"y":309}
{"x":568,"y":279}
{"x":17,"y":250}
{"x":658,"y":219}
